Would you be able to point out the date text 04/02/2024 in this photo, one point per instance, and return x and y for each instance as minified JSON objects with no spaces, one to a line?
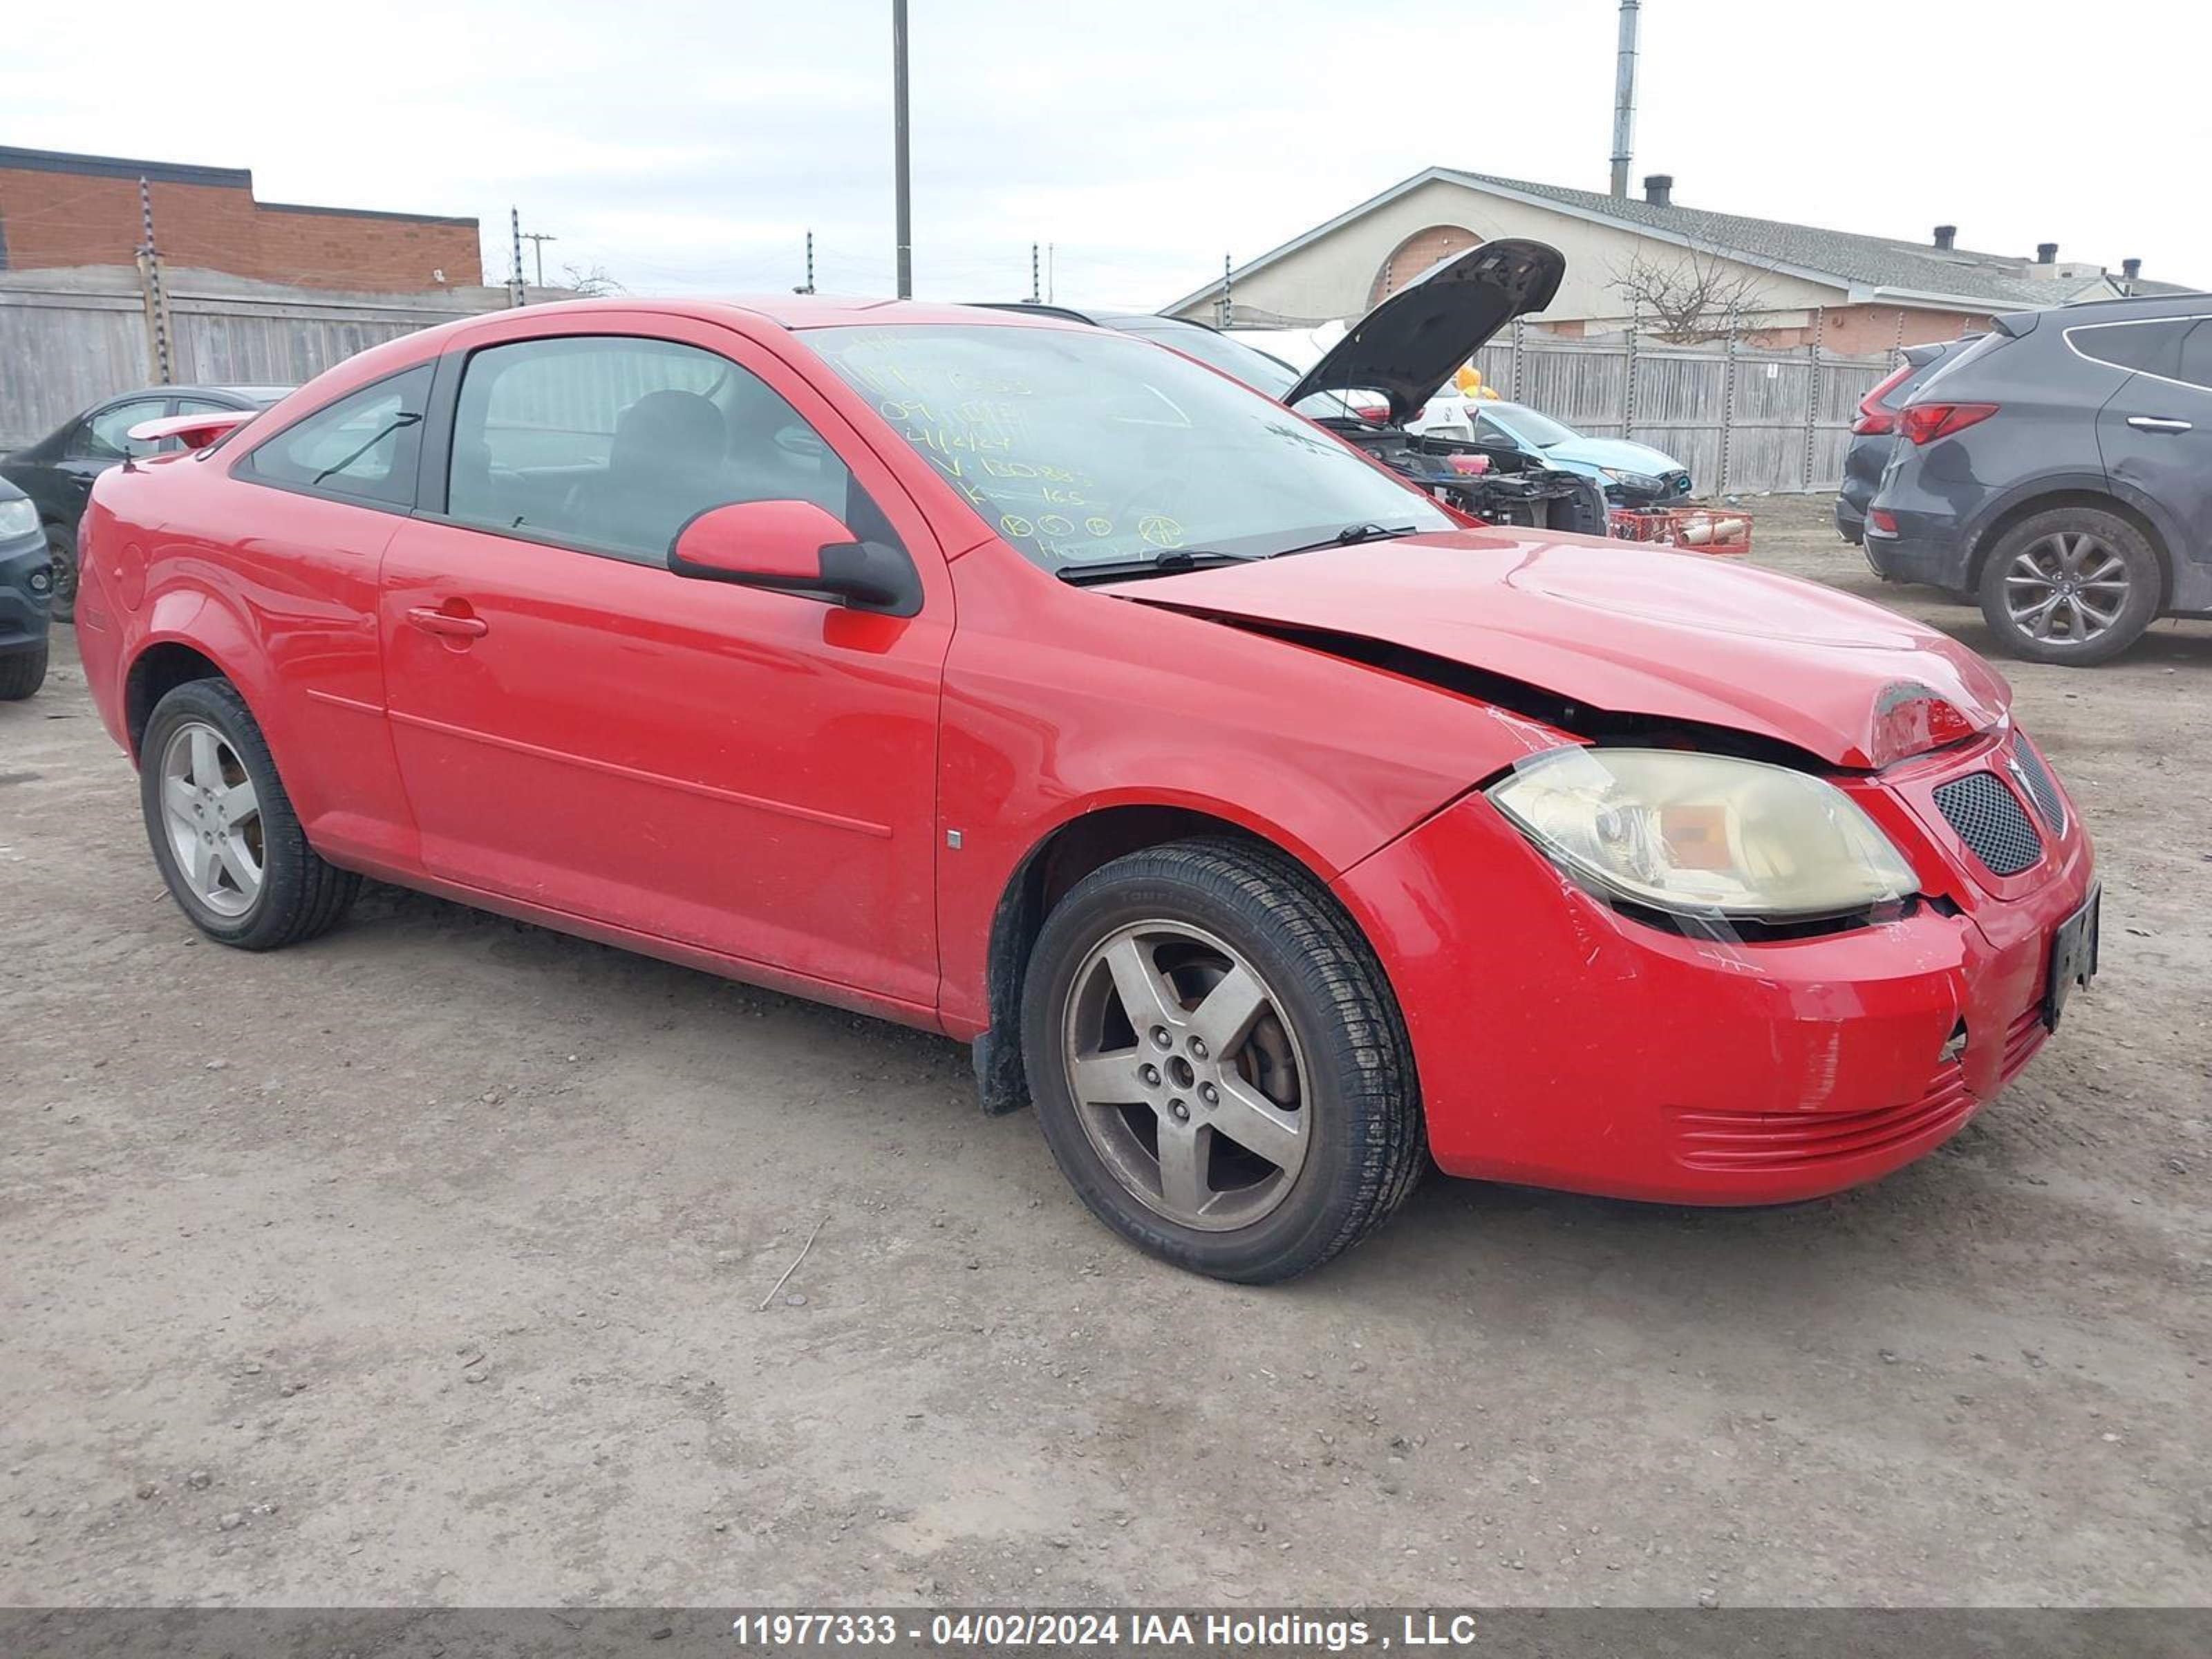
{"x":1197,"y":1629}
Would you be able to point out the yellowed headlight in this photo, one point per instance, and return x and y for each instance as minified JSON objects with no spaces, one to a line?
{"x":1704,"y":835}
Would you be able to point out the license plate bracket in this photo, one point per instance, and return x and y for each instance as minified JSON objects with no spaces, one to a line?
{"x":2072,"y":956}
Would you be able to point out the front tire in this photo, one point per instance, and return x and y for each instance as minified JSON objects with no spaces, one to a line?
{"x":223,"y":830}
{"x":22,"y":673}
{"x":2075,"y":584}
{"x":1219,"y":1065}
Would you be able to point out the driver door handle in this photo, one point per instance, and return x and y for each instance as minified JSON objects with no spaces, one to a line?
{"x":454,"y":624}
{"x":2157,"y":423}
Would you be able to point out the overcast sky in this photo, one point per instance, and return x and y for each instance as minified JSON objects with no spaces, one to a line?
{"x":688,"y":147}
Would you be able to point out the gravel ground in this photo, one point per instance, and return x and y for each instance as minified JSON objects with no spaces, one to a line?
{"x":424,"y":1264}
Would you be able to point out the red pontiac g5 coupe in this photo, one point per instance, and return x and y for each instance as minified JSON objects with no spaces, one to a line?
{"x":1271,"y":828}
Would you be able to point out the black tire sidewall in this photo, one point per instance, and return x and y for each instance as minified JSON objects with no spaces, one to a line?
{"x":1313,"y":1221}
{"x":2145,"y":584}
{"x":285,"y":872}
{"x":23,"y":672}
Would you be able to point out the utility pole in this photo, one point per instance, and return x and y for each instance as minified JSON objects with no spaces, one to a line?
{"x":904,"y":188}
{"x":1036,"y":291}
{"x":1623,"y":99}
{"x":1048,"y":273}
{"x":515,"y":296}
{"x":537,"y":239}
{"x":808,"y":286}
{"x":1228,"y":300}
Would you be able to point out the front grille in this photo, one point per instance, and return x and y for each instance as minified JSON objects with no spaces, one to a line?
{"x":1990,"y":820}
{"x":1809,"y":1140}
{"x":2037,"y":777}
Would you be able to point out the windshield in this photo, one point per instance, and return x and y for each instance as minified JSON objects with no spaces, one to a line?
{"x":1529,"y":426}
{"x":1084,"y":446}
{"x":1260,"y":370}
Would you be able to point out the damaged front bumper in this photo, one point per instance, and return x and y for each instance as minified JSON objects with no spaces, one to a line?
{"x":1561,"y":1043}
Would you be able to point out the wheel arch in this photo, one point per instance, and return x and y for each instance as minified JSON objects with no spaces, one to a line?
{"x":161,"y":664}
{"x":1063,"y":855}
{"x":2050,"y":498}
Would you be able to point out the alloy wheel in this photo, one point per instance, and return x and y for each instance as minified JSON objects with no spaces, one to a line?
{"x":212,"y":817}
{"x":2067,"y":587}
{"x":1186,"y":1076}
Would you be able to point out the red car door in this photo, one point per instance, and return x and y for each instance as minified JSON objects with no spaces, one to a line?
{"x":747,"y":772}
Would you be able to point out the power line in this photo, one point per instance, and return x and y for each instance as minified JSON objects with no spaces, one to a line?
{"x":537,"y":239}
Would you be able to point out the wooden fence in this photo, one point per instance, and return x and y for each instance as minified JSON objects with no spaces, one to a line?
{"x":1739,"y":417}
{"x":71,"y":338}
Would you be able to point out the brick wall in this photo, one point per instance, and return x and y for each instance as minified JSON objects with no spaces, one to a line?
{"x":83,"y":211}
{"x":1415,"y":255}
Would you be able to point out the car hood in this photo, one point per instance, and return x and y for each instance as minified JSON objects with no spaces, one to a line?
{"x":1613,"y":451}
{"x":1411,"y":344}
{"x":1626,"y":629}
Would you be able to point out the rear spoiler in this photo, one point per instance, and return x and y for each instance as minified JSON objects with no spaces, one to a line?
{"x":197,"y":431}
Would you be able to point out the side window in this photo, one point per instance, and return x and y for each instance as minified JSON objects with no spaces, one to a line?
{"x":2196,"y":355}
{"x":1486,"y":426}
{"x":106,"y":435}
{"x":612,"y":442}
{"x":2149,"y":347}
{"x":363,"y":447}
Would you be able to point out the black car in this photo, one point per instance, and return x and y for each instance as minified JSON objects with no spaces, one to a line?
{"x":1874,"y":435}
{"x":1397,"y":357}
{"x":57,"y":471}
{"x":26,"y":589}
{"x":2059,"y":469}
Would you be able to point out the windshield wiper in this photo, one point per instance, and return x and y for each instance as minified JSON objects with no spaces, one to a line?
{"x":1351,"y":536}
{"x":1164,"y":564}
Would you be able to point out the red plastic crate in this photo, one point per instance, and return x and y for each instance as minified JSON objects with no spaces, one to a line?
{"x":1699,"y":529}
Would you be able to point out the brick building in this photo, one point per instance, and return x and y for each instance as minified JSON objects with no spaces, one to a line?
{"x":1856,"y":293}
{"x":59,"y":209}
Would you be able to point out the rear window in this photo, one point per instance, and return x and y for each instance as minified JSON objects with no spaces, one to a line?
{"x":361,"y":448}
{"x":1952,"y":363}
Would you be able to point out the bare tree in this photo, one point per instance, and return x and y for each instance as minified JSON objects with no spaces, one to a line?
{"x":590,"y":283}
{"x":1691,"y":296}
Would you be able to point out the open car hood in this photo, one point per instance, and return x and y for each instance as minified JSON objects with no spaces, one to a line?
{"x":1407,"y":346}
{"x":1621,"y":630}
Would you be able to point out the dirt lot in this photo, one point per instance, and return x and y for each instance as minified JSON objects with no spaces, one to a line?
{"x":423,"y":1265}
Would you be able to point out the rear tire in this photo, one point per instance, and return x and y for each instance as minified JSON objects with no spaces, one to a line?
{"x":60,"y":548}
{"x":22,"y":673}
{"x":222,"y":829}
{"x":1261,"y":1114}
{"x":2074,"y":585}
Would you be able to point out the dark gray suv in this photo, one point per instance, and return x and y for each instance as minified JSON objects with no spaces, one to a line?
{"x":2059,"y":470}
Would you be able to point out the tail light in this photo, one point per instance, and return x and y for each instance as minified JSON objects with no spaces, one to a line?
{"x":1876,"y":417}
{"x":1926,"y":423}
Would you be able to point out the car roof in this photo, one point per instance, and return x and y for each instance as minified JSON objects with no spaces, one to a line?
{"x":2186,"y":303}
{"x":804,"y":311}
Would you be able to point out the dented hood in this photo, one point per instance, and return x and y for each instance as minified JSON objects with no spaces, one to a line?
{"x":1407,"y":346}
{"x":1628,"y":629}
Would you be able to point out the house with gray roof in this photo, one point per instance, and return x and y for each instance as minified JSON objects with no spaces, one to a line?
{"x":1671,"y":267}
